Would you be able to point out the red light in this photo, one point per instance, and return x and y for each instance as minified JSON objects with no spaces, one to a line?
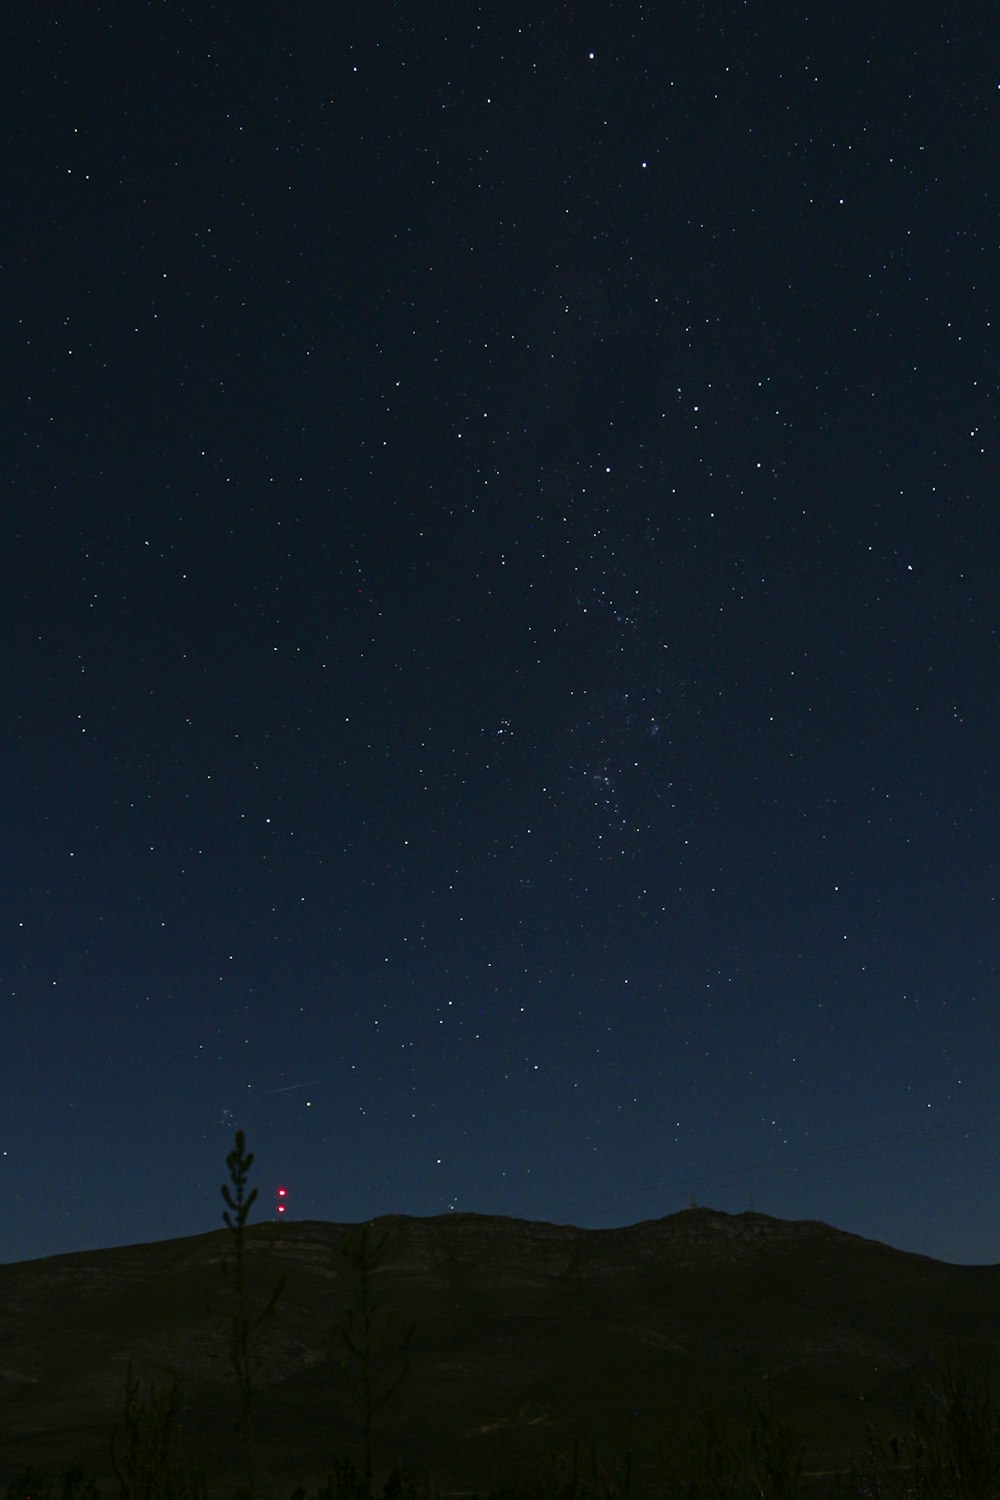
{"x":282,"y":1192}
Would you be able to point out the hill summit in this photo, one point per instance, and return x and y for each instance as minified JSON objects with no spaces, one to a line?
{"x":528,"y":1335}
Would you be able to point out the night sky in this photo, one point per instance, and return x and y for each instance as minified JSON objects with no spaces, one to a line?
{"x":500,"y":689}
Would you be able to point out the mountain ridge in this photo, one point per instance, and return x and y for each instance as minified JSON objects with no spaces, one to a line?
{"x":529,"y":1334}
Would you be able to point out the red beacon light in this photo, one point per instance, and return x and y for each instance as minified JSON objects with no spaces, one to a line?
{"x":281,"y":1204}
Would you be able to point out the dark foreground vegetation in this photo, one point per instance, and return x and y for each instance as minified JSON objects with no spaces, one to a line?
{"x":948,"y":1448}
{"x":950,"y":1452}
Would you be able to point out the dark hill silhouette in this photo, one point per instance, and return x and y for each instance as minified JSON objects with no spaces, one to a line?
{"x":528,"y":1335}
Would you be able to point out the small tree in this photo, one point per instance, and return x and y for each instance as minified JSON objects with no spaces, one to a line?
{"x":244,"y":1322}
{"x":952,"y":1451}
{"x":716,"y":1468}
{"x":776,"y":1454}
{"x":374,"y":1368}
{"x":764,"y":1463}
{"x":145,"y":1446}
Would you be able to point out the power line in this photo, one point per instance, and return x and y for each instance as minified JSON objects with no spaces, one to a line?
{"x":770,"y":1169}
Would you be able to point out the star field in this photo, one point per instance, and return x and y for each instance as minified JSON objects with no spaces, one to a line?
{"x":500,"y":698}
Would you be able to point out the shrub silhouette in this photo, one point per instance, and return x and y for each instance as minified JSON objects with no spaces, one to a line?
{"x":766,"y":1464}
{"x":30,"y":1484}
{"x":952,"y":1451}
{"x":145,"y":1445}
{"x":565,"y":1479}
{"x":374,"y":1367}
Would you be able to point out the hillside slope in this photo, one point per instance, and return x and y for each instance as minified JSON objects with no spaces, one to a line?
{"x":528,"y":1335}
